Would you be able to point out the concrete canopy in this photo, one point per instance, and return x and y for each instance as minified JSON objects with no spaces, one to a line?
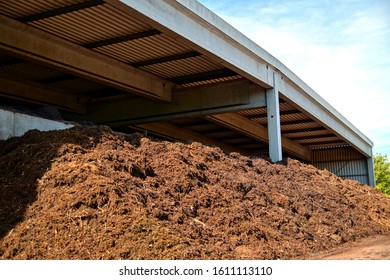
{"x":164,"y":66}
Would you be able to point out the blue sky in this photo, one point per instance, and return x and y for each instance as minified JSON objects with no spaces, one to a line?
{"x":340,"y":48}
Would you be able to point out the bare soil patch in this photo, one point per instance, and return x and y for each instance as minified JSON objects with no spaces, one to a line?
{"x":88,"y":193}
{"x":370,"y":248}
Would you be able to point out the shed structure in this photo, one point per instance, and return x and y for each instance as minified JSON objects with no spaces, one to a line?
{"x":175,"y":69}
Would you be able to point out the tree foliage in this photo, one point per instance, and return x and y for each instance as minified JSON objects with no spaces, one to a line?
{"x":382,"y":173}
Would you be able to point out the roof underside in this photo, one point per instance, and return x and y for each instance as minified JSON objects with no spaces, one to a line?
{"x":123,"y":37}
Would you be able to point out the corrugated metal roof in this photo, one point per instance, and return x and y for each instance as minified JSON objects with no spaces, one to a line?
{"x":300,"y":127}
{"x":211,"y":81}
{"x":309,"y":141}
{"x":103,"y":22}
{"x":91,"y":25}
{"x":307,"y":133}
{"x":143,"y":49}
{"x":21,"y":8}
{"x":182,"y":67}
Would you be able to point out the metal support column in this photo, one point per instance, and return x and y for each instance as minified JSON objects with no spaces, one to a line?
{"x":273,"y":115}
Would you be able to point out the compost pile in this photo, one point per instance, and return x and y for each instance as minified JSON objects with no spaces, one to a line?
{"x":89,"y":193}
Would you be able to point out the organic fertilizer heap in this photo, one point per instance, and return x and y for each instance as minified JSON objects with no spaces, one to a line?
{"x":89,"y":193}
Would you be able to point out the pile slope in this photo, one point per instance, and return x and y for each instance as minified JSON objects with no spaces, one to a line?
{"x":89,"y":193}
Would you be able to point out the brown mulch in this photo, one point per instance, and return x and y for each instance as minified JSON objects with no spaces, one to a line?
{"x":88,"y":193}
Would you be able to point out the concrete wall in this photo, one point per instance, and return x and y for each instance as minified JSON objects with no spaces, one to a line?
{"x":16,"y":124}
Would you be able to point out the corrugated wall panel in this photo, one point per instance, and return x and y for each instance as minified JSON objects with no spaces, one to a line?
{"x":350,"y":169}
{"x":345,"y":162}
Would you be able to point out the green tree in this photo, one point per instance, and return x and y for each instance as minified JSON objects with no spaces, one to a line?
{"x":382,"y":173}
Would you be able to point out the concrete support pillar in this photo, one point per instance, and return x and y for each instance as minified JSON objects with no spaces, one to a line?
{"x":273,"y":115}
{"x":371,"y":173}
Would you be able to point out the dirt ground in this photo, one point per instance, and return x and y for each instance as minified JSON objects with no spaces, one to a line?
{"x":370,"y":248}
{"x":88,"y":193}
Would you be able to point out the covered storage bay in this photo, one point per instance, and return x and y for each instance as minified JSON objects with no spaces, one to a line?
{"x":173,"y":69}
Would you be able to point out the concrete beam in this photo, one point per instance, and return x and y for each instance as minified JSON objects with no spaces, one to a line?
{"x":251,"y":129}
{"x":241,"y":125}
{"x":177,"y":133}
{"x":36,"y":93}
{"x":200,"y":101}
{"x":29,"y":43}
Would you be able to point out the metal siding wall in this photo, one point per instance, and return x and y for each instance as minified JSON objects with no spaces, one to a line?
{"x":345,"y":162}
